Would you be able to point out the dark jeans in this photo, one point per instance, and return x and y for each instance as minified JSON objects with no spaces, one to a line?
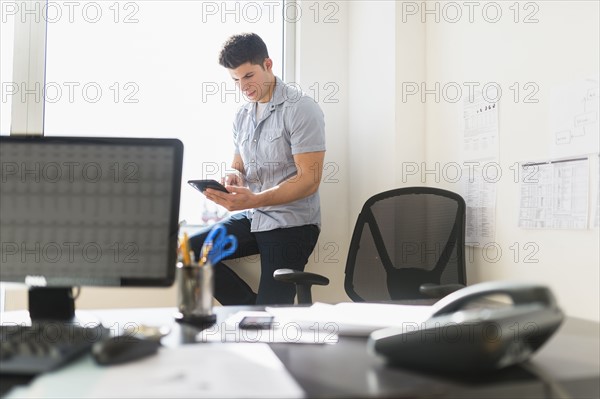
{"x":287,"y":248}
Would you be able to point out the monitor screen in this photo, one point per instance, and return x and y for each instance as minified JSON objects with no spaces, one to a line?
{"x":89,"y":211}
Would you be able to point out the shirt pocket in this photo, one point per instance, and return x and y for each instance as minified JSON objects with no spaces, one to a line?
{"x":274,"y":147}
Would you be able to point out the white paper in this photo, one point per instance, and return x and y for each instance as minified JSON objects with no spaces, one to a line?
{"x":480,"y":135}
{"x":480,"y":144}
{"x":349,"y":318}
{"x":554,"y":195}
{"x":574,"y":119}
{"x":188,"y":371}
{"x":480,"y":197}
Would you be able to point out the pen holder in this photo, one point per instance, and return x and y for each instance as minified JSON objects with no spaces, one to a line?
{"x":195,"y":287}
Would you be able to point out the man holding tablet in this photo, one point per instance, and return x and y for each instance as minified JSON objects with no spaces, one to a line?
{"x":279,"y":138}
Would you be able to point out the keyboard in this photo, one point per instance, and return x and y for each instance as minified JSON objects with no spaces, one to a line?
{"x":31,"y":350}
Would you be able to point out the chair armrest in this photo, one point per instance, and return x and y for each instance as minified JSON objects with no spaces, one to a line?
{"x":439,"y":290}
{"x":298,"y":277}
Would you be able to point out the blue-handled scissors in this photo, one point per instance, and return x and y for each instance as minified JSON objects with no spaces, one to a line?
{"x":218,"y":245}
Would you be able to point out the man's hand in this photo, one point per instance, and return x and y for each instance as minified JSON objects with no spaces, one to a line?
{"x":238,"y":198}
{"x":234,"y":179}
{"x":305,"y":183}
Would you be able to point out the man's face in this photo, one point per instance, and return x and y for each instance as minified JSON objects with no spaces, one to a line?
{"x":255,"y":81}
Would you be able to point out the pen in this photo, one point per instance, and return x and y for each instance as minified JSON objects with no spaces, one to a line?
{"x":205,"y":251}
{"x":185,"y":249}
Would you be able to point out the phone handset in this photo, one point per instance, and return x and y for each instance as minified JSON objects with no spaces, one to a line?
{"x":519,"y":293}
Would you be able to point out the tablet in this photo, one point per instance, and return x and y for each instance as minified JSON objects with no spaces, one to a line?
{"x":202,"y":185}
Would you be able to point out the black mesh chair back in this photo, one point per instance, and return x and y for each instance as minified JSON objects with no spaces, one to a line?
{"x":403,"y":239}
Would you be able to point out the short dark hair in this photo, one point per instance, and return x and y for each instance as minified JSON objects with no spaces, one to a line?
{"x":242,"y":48}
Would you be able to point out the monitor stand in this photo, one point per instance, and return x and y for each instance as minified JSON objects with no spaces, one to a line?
{"x":56,"y":303}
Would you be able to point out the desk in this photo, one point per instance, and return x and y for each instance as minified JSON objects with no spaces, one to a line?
{"x":567,"y":366}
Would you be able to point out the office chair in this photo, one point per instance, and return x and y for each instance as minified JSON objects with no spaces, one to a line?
{"x":407,"y":243}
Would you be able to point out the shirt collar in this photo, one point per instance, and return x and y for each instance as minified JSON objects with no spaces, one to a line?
{"x":278,"y":93}
{"x":277,"y":98}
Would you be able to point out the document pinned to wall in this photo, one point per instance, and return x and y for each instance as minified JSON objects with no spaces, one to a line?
{"x":480,"y":134}
{"x":479,"y":192}
{"x":574,"y":119}
{"x":554,"y":194}
{"x":480,"y":148}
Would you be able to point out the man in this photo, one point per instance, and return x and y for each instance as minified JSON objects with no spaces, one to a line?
{"x":279,"y":140}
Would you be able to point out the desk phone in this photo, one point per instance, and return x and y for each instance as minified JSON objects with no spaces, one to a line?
{"x":461,"y":340}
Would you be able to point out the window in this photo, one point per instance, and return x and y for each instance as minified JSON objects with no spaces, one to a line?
{"x":150,"y":69}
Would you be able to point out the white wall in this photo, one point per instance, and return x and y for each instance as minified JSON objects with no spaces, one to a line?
{"x":562,"y":47}
{"x":382,"y":132}
{"x":411,"y":66}
{"x":372,"y":71}
{"x":388,"y":47}
{"x":322,"y":63}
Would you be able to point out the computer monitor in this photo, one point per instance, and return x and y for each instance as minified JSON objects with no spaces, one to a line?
{"x":81,"y":211}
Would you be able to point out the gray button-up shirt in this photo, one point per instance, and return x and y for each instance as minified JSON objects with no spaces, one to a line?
{"x":292,"y":123}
